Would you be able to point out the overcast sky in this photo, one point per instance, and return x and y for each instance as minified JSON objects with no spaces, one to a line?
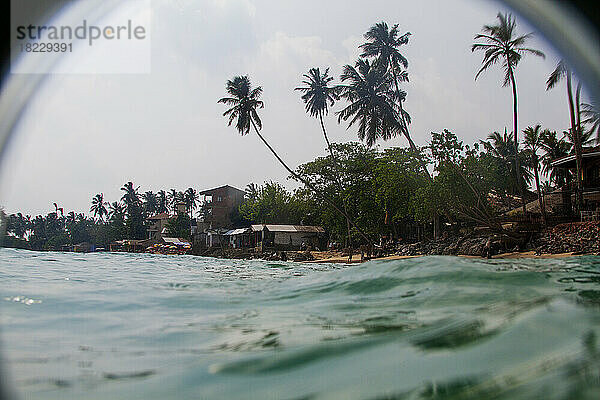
{"x":88,"y":134}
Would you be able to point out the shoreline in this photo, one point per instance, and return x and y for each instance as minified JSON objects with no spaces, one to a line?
{"x":504,"y":256}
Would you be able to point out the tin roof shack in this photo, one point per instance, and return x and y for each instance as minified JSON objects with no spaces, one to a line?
{"x":240,"y":238}
{"x":590,"y":177}
{"x":219,"y":204}
{"x":289,"y":237}
{"x":157,"y":224}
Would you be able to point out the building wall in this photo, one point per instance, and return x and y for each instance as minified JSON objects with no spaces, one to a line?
{"x":224,"y":201}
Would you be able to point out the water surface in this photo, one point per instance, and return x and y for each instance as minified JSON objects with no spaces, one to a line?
{"x":137,"y":326}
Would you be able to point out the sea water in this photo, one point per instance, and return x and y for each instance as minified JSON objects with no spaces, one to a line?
{"x":140,"y":326}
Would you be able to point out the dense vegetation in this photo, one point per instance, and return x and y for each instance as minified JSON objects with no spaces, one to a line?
{"x":356,"y":190}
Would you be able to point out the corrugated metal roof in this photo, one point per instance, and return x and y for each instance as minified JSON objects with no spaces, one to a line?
{"x":288,"y":228}
{"x":174,"y":241}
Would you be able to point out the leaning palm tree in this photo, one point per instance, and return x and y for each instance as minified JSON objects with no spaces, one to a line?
{"x":318,"y":96}
{"x":244,"y":102}
{"x":99,"y":206}
{"x":383,"y":44}
{"x":502,"y":45}
{"x":562,"y":70}
{"x":533,"y":139}
{"x":373,"y":104}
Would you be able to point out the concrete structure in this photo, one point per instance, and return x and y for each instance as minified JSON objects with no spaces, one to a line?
{"x":219,"y":204}
{"x":157,"y":224}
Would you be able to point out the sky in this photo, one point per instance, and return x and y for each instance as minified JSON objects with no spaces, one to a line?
{"x":84,"y":134}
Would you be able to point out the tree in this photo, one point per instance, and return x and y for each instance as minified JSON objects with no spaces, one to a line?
{"x":533,"y":139}
{"x":99,"y":206}
{"x":251,"y":192}
{"x":135,"y":222}
{"x":554,"y":148}
{"x":373,"y":105}
{"x":502,"y":44}
{"x":150,"y":203}
{"x":244,"y":102}
{"x":383,"y":43}
{"x":190,"y":198}
{"x":179,"y":226}
{"x":592,"y":116}
{"x":562,"y":70}
{"x":162,"y":204}
{"x":318,"y":96}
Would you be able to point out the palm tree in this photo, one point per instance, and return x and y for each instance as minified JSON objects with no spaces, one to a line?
{"x":562,"y":70}
{"x":244,"y":102}
{"x":150,"y":203}
{"x":502,"y":147}
{"x":172,"y":199}
{"x":372,"y":102}
{"x":533,"y":139}
{"x":592,"y":116}
{"x":251,"y":192}
{"x":131,"y":196}
{"x":191,"y":200}
{"x":383,"y":43}
{"x":318,"y":96}
{"x":99,"y":206}
{"x":554,"y":148}
{"x":502,"y":45}
{"x":116,"y":210}
{"x":162,"y":204}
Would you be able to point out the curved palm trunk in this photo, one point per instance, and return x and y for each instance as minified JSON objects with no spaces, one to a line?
{"x":436,"y":218}
{"x":405,"y":125}
{"x":576,"y":144}
{"x":516,"y":139}
{"x":339,"y":183}
{"x":309,"y":185}
{"x":539,"y":193}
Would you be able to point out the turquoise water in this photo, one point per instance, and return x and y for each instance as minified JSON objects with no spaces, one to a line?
{"x":128,"y":326}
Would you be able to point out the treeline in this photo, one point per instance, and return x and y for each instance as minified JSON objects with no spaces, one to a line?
{"x":386,"y":190}
{"x":126,"y":218}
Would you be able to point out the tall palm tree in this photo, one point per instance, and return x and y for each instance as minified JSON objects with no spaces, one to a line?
{"x":172,"y":199}
{"x":562,"y":70}
{"x":533,"y":139}
{"x":318,"y":96}
{"x":162,"y":204}
{"x":191,"y":200}
{"x":244,"y":102}
{"x":373,"y":104}
{"x":99,"y":206}
{"x":383,"y":44}
{"x":131,"y":196}
{"x":501,"y":43}
{"x":150,"y":202}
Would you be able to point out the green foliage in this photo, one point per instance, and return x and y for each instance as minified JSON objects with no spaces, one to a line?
{"x":179,"y":226}
{"x":273,"y":204}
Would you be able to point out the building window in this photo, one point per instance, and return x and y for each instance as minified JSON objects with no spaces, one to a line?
{"x":219,"y":198}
